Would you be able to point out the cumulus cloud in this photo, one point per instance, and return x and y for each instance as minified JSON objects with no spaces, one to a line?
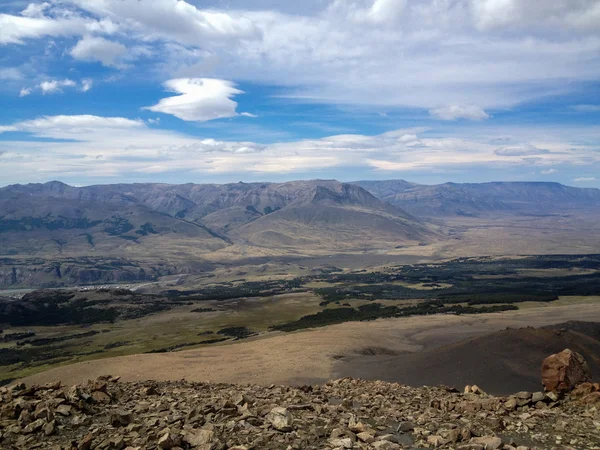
{"x":200,"y":99}
{"x":584,"y":179}
{"x":455,"y":112}
{"x":54,"y":86}
{"x":24,"y":92}
{"x":109,"y":53}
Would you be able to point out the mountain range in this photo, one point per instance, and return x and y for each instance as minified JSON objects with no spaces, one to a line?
{"x":483,"y":199}
{"x":163,"y":220}
{"x":54,"y":217}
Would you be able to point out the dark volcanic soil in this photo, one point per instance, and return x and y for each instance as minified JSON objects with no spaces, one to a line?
{"x":500,"y":363}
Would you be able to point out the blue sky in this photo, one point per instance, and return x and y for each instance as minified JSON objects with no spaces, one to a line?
{"x":103,"y":91}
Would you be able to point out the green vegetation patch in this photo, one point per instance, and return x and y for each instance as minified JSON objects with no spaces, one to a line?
{"x":237,"y":332}
{"x":377,"y":311}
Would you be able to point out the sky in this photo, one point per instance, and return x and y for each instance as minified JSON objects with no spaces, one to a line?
{"x":216,"y":91}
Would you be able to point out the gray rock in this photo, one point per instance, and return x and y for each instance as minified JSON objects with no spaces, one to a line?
{"x":280,"y":419}
{"x":488,"y":442}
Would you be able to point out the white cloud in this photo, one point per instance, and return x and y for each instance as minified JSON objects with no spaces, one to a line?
{"x":10,"y":73}
{"x":86,"y":84}
{"x":408,"y":53}
{"x":82,"y":128}
{"x":374,"y":11}
{"x":55,"y":86}
{"x":16,"y":29}
{"x":200,"y":99}
{"x":580,"y":15}
{"x":584,"y":179}
{"x":386,"y":10}
{"x":35,"y":9}
{"x":117,"y":146}
{"x":520,"y":150}
{"x":549,"y":172}
{"x":173,"y":20}
{"x":454,"y":112}
{"x":107,"y":52}
{"x":247,"y":114}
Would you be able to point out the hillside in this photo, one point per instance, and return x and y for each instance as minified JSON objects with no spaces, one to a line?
{"x":500,"y":362}
{"x":484,"y":199}
{"x":341,"y":214}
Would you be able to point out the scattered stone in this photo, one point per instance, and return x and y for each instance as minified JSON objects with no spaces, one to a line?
{"x":341,"y":443}
{"x":537,"y":397}
{"x":34,"y":426}
{"x":488,"y":442}
{"x":365,"y":437}
{"x":64,"y":410}
{"x":406,"y":427}
{"x":86,"y":442}
{"x":343,"y":414}
{"x":50,"y":428}
{"x":100,"y":397}
{"x":385,"y":445}
{"x":280,"y":419}
{"x":196,"y":438}
{"x":436,"y":441}
{"x":168,"y":441}
{"x":120,"y":418}
{"x":511,"y":404}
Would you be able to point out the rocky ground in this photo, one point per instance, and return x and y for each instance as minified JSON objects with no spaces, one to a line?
{"x":343,"y":414}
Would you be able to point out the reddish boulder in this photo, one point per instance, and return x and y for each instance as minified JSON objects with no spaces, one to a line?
{"x":563,"y":371}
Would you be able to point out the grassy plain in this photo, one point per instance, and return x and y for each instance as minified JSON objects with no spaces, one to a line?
{"x":194,"y":322}
{"x":313,"y":355}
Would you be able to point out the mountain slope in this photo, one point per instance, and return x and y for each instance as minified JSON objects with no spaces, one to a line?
{"x":501,"y":362}
{"x":480,"y":199}
{"x":47,"y":221}
{"x":341,"y":214}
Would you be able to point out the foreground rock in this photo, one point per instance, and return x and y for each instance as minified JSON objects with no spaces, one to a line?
{"x":563,"y":371}
{"x":343,"y":414}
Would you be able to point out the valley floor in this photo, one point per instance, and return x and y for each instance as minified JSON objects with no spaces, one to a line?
{"x":321,"y":354}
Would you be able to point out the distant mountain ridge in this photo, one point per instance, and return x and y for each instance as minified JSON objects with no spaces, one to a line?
{"x":478,"y":199}
{"x":189,"y":220}
{"x":319,"y":213}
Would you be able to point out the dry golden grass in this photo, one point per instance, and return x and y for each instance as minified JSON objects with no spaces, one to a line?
{"x":310,"y":355}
